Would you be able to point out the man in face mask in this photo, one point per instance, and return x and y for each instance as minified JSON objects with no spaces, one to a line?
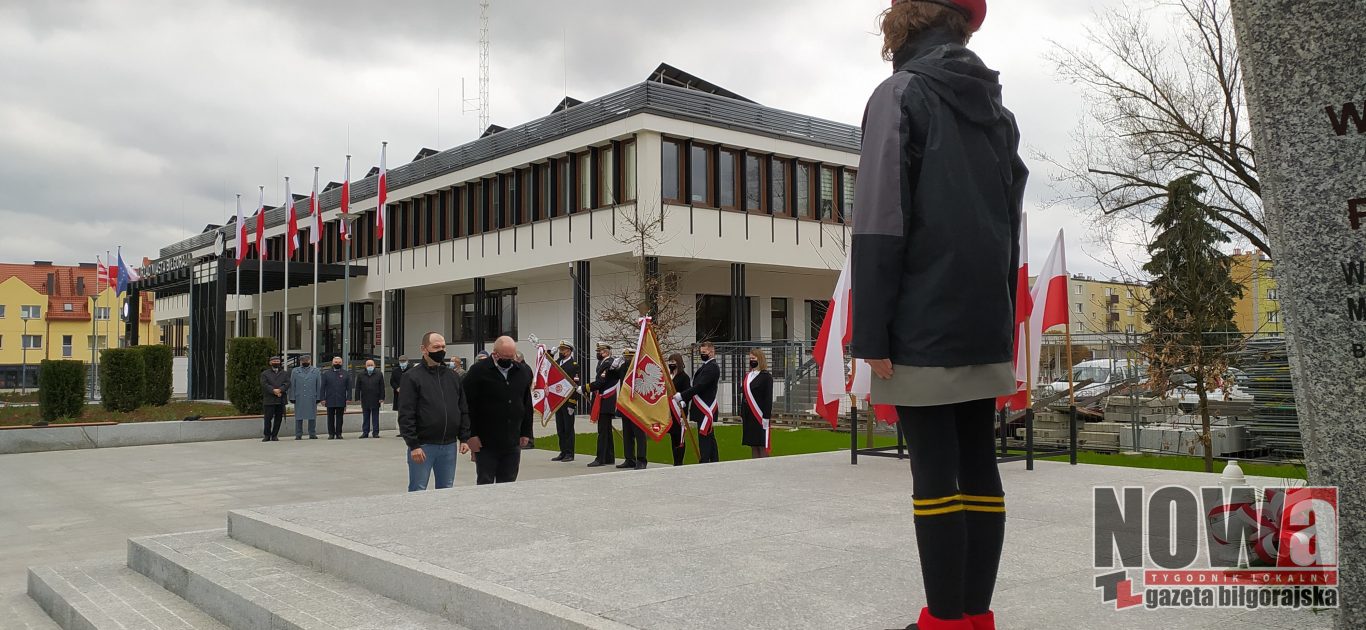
{"x":274,"y":393}
{"x":499,"y":394}
{"x":701,"y":402}
{"x":305,"y":390}
{"x":336,"y":392}
{"x":370,"y":393}
{"x":396,"y":377}
{"x":604,"y":389}
{"x":564,"y":418}
{"x":432,"y":416}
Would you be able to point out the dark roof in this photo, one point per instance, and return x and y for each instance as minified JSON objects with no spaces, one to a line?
{"x":566,"y":103}
{"x":331,"y":185}
{"x":669,"y":75}
{"x":662,"y":99}
{"x":492,"y":130}
{"x":424,"y":153}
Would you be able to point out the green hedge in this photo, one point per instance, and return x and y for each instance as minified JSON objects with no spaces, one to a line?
{"x":247,"y":356}
{"x":123,"y":379}
{"x":61,"y":389}
{"x":156,"y":362}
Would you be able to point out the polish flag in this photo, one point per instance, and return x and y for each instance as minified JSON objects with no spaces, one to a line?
{"x":292,"y":230}
{"x":836,"y":333}
{"x":315,"y":236}
{"x":261,"y":226}
{"x":383,"y":193}
{"x":242,"y":244}
{"x":1049,"y":296}
{"x":346,"y":201}
{"x":103,"y":274}
{"x":1024,"y":307}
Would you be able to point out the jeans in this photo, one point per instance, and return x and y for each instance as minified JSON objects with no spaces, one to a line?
{"x":497,"y":466}
{"x":369,"y":421}
{"x":274,"y":414}
{"x":440,"y":461}
{"x":335,"y":415}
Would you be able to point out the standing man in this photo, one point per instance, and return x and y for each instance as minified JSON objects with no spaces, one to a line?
{"x":633,"y":438}
{"x":604,"y":390}
{"x":396,"y":377}
{"x":432,"y":417}
{"x":274,"y":393}
{"x":701,"y":402}
{"x":564,"y":418}
{"x":499,"y":394}
{"x":370,"y":393}
{"x":336,"y":390}
{"x":305,"y":389}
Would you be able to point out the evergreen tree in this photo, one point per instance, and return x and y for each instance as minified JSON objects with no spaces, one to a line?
{"x":1193,"y":296}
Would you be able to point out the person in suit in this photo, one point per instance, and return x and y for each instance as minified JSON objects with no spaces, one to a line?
{"x":274,"y":393}
{"x":700,"y":400}
{"x":305,"y":389}
{"x":756,"y":413}
{"x":396,"y":377}
{"x":564,"y":418}
{"x":678,"y":371}
{"x":604,"y":389}
{"x":499,"y":395}
{"x":336,"y":392}
{"x":370,"y":393}
{"x":634,"y":439}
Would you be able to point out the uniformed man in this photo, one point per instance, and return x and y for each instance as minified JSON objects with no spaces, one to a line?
{"x":564,"y":418}
{"x":633,"y":438}
{"x":700,"y":400}
{"x":604,"y":389}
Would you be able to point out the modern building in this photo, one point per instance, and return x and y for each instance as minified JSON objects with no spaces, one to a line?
{"x":1258,"y":312}
{"x":45,"y":313}
{"x":1104,"y":307}
{"x":534,"y":230}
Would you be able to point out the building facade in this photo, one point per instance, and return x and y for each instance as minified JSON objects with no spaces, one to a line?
{"x":1258,"y":312}
{"x":46,"y":312}
{"x":740,"y":209}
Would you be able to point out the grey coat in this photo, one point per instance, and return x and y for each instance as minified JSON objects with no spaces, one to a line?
{"x":336,"y":388}
{"x":305,"y":389}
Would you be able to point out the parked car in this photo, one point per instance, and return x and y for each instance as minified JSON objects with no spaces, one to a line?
{"x":1104,"y":374}
{"x":1228,"y":388}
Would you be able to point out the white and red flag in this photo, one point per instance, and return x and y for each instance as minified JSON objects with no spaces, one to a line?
{"x":553,"y":386}
{"x":1025,"y":357}
{"x":241,"y":234}
{"x":382,"y":192}
{"x":261,"y":226}
{"x":103,"y":273}
{"x":346,"y":202}
{"x":1049,"y":297}
{"x":315,"y":210}
{"x":836,"y":332}
{"x":292,"y":229}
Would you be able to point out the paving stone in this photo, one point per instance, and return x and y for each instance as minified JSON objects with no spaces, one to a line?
{"x":112,"y":596}
{"x":20,"y":612}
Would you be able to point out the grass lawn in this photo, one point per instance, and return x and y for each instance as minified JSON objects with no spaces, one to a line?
{"x":16,"y":397}
{"x":13,"y":416}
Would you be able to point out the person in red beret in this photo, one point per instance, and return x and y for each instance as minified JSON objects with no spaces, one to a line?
{"x":936,"y":244}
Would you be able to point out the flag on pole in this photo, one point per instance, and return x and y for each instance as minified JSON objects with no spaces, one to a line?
{"x":1024,"y":349}
{"x":346,"y":202}
{"x":836,"y":333}
{"x":647,"y":390}
{"x":382,"y":196}
{"x":553,"y":387}
{"x":241,"y":234}
{"x":1049,"y":297}
{"x":261,"y":226}
{"x":292,"y":230}
{"x":315,"y":235}
{"x":104,"y":274}
{"x":126,"y":274}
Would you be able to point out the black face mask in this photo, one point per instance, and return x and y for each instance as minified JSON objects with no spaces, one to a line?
{"x":673,"y":368}
{"x":753,"y":364}
{"x":437,"y":356}
{"x":336,"y":366}
{"x":705,"y":357}
{"x":306,"y":364}
{"x":275,"y":366}
{"x":505,"y":363}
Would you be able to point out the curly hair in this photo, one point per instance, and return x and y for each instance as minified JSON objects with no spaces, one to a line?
{"x":905,"y":19}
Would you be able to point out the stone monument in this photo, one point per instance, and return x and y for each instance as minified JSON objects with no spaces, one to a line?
{"x":1305,"y":71}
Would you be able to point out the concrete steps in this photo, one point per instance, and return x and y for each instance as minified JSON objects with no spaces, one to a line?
{"x":245,"y":587}
{"x":21,"y":612}
{"x":96,"y":596}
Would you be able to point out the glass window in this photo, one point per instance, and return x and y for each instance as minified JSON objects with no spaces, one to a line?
{"x":714,"y":318}
{"x":525,"y":209}
{"x":480,"y":215}
{"x":495,"y":195}
{"x":512,"y":187}
{"x":700,"y":170}
{"x":543,"y":191}
{"x":778,"y":187}
{"x":586,"y":181}
{"x":1273,"y":317}
{"x":606,"y":176}
{"x":847,"y":199}
{"x":727,"y":179}
{"x":628,"y":171}
{"x":778,"y":316}
{"x":296,"y":330}
{"x":815,"y":317}
{"x":2,"y":311}
{"x":802,"y":208}
{"x":1271,"y":294}
{"x":672,"y":185}
{"x":1079,"y":308}
{"x":754,"y":184}
{"x":32,"y":342}
{"x":66,"y":346}
{"x":827,"y":204}
{"x":566,"y":188}
{"x":30,"y":312}
{"x":1076,"y":290}
{"x":500,"y":315}
{"x":68,"y":307}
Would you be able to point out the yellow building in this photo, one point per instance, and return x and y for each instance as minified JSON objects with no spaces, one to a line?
{"x":45,"y":313}
{"x":1259,"y":310}
{"x":1106,"y":307}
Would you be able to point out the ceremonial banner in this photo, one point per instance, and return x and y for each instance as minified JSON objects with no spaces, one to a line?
{"x":647,"y":390}
{"x":553,"y":387}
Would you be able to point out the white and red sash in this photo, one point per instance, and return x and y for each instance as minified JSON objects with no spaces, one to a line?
{"x":680,"y":417}
{"x":708,"y":414}
{"x":754,"y":409}
{"x":611,"y":392}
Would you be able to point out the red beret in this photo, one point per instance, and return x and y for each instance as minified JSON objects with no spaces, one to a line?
{"x":974,"y":10}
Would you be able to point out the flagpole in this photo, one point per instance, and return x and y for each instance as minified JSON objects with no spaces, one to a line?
{"x":94,"y":332}
{"x":345,"y":225}
{"x":383,"y":263}
{"x":1071,"y":385}
{"x":108,"y":283}
{"x":317,"y":242}
{"x":289,"y":253}
{"x":119,"y":300}
{"x":237,"y":309}
{"x":261,"y":277}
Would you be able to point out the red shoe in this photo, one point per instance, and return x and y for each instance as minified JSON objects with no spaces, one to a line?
{"x":984,"y":621}
{"x":929,"y":622}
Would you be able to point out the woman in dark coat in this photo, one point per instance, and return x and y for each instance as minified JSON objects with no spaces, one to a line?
{"x":756,"y":414}
{"x":678,"y":370}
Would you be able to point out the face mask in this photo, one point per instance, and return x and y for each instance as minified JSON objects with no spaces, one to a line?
{"x":307,"y":364}
{"x":753,"y":364}
{"x":369,"y":370}
{"x":437,"y":356}
{"x":505,"y":363}
{"x":672,"y":367}
{"x":336,"y":366}
{"x":404,"y":365}
{"x":705,"y":356}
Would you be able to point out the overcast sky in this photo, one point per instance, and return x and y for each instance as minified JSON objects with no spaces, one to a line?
{"x":133,"y":122}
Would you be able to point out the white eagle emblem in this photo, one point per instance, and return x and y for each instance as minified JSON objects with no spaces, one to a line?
{"x":649,"y":380}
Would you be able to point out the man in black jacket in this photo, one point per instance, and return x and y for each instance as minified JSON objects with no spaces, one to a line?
{"x":274,"y":393}
{"x":499,"y":393}
{"x":370,"y":393}
{"x":700,"y":400}
{"x":396,"y":377}
{"x":432,"y":417}
{"x":604,"y":389}
{"x":564,"y":418}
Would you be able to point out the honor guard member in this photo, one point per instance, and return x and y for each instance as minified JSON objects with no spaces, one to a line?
{"x":678,"y":371}
{"x":700,"y":400}
{"x":564,"y":418}
{"x":604,"y":389}
{"x":633,"y":438}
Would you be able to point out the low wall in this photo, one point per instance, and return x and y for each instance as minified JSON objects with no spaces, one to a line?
{"x":65,"y":438}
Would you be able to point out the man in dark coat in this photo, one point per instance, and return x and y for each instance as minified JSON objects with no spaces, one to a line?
{"x":499,"y":395}
{"x":274,"y":393}
{"x":564,"y":418}
{"x":336,"y":392}
{"x":935,"y":250}
{"x":396,"y":377}
{"x":700,"y":400}
{"x":370,"y":393}
{"x":604,"y":388}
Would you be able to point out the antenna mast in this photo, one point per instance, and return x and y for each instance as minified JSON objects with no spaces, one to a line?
{"x":483,"y":101}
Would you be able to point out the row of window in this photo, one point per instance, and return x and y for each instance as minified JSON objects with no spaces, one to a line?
{"x":597,"y":177}
{"x":36,"y":312}
{"x":35,"y":342}
{"x":732,"y":179}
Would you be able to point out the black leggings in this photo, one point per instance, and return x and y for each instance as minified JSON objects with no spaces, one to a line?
{"x":959,"y":504}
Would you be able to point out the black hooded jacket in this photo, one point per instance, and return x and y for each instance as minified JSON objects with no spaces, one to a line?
{"x":937,"y":212}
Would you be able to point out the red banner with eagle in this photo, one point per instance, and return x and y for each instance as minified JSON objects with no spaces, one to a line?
{"x":647,"y":391}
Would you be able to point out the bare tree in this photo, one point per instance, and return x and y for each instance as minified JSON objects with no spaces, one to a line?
{"x":1161,"y":108}
{"x":653,"y":292}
